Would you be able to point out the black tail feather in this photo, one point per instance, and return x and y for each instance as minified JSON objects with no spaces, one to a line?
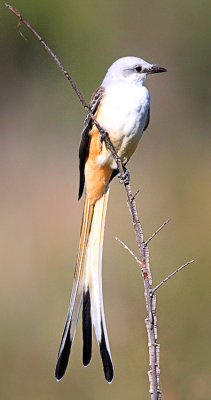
{"x":106,"y":358}
{"x":63,"y":358}
{"x":87,"y":328}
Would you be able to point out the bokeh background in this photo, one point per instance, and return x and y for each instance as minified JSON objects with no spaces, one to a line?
{"x":40,"y":125}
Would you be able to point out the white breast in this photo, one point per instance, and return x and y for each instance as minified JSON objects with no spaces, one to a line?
{"x":123,"y":114}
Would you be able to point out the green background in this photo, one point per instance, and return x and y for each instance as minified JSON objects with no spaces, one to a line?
{"x":40,"y":125}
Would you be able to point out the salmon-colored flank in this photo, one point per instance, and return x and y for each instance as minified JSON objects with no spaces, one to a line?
{"x":96,"y":177}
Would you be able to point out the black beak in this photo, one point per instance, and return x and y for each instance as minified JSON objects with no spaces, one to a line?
{"x":154,"y":69}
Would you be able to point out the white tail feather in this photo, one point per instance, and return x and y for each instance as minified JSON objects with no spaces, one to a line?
{"x":93,"y":267}
{"x":88,"y":283}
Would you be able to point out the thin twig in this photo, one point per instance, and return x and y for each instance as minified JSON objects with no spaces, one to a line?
{"x":156,"y":232}
{"x":103,"y":133}
{"x":170,"y":276}
{"x":129,"y":250}
{"x":18,"y":27}
{"x":136,"y":194}
{"x":26,"y":23}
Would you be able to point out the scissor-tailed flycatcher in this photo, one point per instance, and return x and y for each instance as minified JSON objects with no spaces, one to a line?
{"x":122,"y":107}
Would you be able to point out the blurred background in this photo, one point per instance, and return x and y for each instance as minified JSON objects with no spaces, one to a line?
{"x":40,"y":125}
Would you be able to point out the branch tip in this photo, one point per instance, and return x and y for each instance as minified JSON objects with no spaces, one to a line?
{"x":129,"y":250}
{"x":156,"y":232}
{"x":134,"y":196}
{"x":170,"y":276}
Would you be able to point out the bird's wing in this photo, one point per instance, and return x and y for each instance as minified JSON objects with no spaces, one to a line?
{"x":147,"y":120}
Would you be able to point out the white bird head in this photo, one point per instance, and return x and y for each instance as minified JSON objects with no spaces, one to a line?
{"x":130,"y":70}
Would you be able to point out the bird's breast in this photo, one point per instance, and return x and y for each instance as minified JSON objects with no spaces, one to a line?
{"x":123,"y":114}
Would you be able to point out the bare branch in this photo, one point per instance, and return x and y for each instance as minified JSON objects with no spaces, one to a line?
{"x":129,"y":250}
{"x":170,"y":276}
{"x":26,"y":23}
{"x":156,"y":232}
{"x":103,"y":133}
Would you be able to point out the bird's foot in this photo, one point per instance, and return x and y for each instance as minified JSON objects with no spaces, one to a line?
{"x":125,"y":178}
{"x":102,"y":135}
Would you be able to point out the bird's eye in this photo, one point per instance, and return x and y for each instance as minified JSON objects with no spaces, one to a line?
{"x":138,"y":69}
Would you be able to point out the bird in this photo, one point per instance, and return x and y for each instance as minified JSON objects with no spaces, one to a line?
{"x":121,"y":105}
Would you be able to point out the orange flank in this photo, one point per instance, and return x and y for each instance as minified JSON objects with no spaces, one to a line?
{"x":97,"y":177}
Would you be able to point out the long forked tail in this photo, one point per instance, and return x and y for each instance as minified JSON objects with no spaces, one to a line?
{"x":87,"y":288}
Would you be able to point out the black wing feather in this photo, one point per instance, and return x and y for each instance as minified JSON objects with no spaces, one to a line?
{"x":147,"y":120}
{"x":85,"y":136}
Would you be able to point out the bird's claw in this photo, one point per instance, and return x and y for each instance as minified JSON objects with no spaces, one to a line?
{"x":102,"y":135}
{"x":125,"y":178}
